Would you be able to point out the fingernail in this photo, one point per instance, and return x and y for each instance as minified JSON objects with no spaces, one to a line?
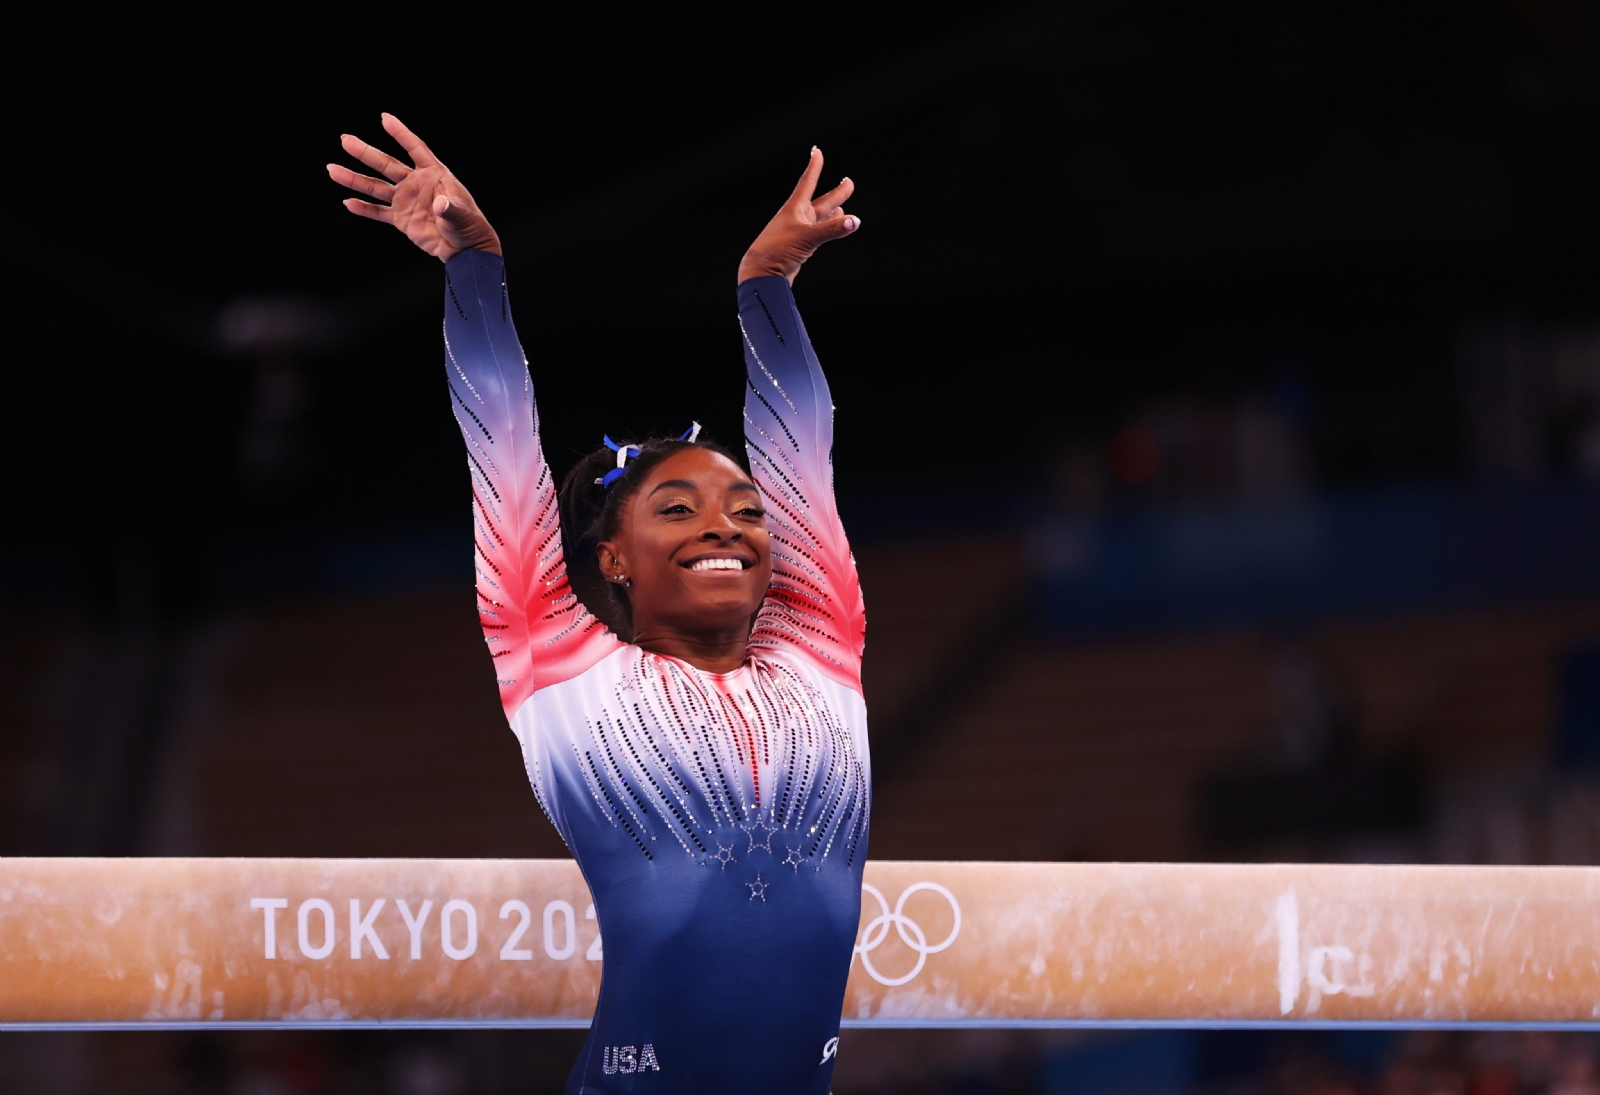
{"x":813,"y":150}
{"x":851,"y":223}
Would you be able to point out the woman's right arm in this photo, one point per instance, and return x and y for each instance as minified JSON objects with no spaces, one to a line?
{"x":537,"y":631}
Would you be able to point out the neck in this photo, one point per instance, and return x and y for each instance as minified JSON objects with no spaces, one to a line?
{"x":714,"y":652}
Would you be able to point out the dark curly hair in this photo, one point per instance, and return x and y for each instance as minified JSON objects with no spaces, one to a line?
{"x":591,"y":513}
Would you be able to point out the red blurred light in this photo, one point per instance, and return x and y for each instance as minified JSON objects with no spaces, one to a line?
{"x":1132,"y":455}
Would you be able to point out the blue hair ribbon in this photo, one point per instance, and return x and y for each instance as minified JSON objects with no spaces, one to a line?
{"x":629,"y":451}
{"x":624,"y":452}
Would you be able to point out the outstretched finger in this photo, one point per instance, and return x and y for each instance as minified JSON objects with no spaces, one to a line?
{"x":375,"y":158}
{"x":807,"y":185}
{"x":361,"y":184}
{"x":828,"y":205}
{"x":371,"y":212}
{"x":419,"y":152}
{"x":834,"y":228}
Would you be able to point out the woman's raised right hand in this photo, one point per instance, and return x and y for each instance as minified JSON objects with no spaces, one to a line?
{"x":422,"y":199}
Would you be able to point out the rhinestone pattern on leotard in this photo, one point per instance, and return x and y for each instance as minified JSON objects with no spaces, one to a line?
{"x":678,"y":759}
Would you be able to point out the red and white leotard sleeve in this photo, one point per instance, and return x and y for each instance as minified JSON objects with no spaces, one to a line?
{"x":538,"y":632}
{"x":814,"y":607}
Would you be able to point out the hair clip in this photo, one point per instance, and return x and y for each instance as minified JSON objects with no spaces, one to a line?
{"x":691,"y":435}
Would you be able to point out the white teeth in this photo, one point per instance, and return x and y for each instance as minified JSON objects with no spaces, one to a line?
{"x":716,"y":564}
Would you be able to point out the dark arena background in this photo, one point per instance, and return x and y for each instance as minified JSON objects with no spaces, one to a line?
{"x":1218,"y":423}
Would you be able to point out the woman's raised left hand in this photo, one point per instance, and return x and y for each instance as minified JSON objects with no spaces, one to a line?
{"x":804,"y":224}
{"x":422,"y":199}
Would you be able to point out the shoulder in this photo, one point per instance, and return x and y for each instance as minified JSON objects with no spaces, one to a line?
{"x":595,"y":685}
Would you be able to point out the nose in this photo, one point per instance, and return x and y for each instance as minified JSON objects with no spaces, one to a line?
{"x":720,"y":528}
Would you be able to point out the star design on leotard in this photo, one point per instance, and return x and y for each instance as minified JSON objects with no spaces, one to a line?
{"x":765,"y":842}
{"x":758,"y":888}
{"x":723,"y":854}
{"x":794,"y":858}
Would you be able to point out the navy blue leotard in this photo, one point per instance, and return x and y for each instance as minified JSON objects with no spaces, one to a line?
{"x":720,"y":820}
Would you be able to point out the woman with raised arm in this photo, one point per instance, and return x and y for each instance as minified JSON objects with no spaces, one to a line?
{"x":678,"y":646}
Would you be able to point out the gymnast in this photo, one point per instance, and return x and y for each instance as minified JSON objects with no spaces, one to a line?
{"x":678,"y":648}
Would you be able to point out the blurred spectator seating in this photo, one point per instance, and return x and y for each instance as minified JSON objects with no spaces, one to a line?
{"x":1094,"y":749}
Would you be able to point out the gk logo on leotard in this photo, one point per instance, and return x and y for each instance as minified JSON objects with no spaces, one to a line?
{"x":829,"y":1048}
{"x":909,"y":931}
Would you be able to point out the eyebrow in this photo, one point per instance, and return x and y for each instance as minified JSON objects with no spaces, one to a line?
{"x":690,"y":484}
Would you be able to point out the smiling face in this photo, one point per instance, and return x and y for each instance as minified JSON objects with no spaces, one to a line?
{"x":693,"y":542}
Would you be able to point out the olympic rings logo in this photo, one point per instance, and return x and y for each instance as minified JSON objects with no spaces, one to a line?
{"x":910,"y":932}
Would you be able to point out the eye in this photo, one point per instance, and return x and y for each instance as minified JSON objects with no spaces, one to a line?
{"x":750,"y":509}
{"x":676,"y":509}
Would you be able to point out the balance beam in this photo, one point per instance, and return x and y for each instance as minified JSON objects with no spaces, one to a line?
{"x":203,"y":943}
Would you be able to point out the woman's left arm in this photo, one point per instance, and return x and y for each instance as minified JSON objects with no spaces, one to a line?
{"x":814,"y":605}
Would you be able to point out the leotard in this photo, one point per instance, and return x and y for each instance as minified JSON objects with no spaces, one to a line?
{"x":720,"y":820}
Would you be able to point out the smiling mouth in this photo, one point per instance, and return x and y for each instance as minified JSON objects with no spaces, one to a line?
{"x":718,"y":564}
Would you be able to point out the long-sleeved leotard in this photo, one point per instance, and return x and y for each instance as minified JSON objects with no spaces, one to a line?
{"x":720,"y":820}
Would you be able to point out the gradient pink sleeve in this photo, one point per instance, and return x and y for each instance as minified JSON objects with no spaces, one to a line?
{"x":537,"y":632}
{"x":814,"y":607}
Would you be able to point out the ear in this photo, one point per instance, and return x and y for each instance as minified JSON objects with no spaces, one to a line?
{"x":612,"y":566}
